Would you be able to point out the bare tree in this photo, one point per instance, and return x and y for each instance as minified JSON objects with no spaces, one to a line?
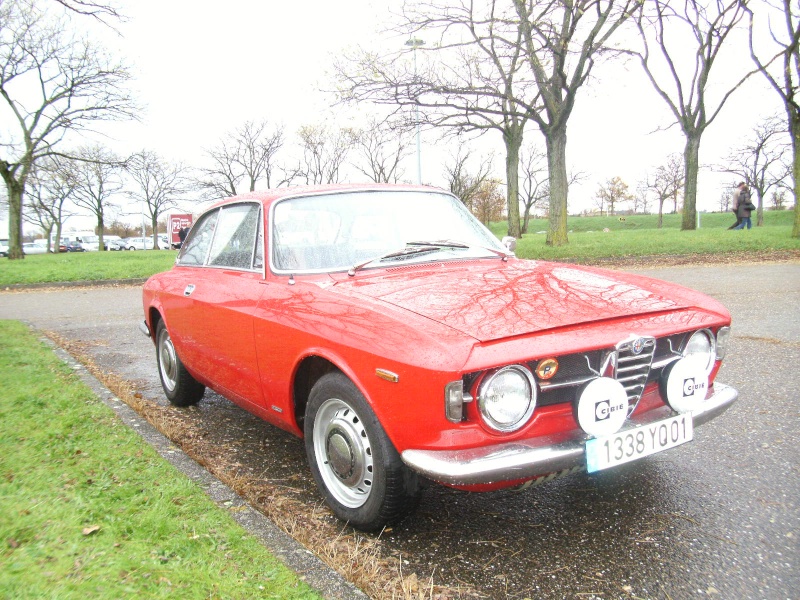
{"x":51,"y":187}
{"x":759,"y":160}
{"x":612,"y":193}
{"x":506,"y":65}
{"x":778,"y":199}
{"x":488,"y":202}
{"x":380,"y":148}
{"x":641,"y":200}
{"x":668,"y":184}
{"x":98,"y":10}
{"x":324,"y":152}
{"x":681,"y":43}
{"x":779,"y":62}
{"x":470,"y":82}
{"x":534,"y":188}
{"x":96,"y":176}
{"x":51,"y":83}
{"x":158,"y":183}
{"x":242,"y":159}
{"x":463,"y":181}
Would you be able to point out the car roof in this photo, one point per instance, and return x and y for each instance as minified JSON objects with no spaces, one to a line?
{"x":270,"y":196}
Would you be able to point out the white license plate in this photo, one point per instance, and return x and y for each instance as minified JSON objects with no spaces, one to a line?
{"x":633,"y":444}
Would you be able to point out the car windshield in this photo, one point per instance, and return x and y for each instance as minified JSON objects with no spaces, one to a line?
{"x":336,"y":232}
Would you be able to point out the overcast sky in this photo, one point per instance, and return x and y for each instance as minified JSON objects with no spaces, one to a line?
{"x":203,"y":69}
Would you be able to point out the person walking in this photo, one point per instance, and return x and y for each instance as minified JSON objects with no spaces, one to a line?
{"x":735,"y":204}
{"x":744,"y":207}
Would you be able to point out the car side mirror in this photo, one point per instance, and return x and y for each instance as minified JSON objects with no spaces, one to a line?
{"x":510,"y":243}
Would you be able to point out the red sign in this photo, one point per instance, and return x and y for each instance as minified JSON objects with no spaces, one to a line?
{"x":176,"y":224}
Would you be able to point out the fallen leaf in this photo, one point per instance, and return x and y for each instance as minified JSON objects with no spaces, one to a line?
{"x":91,"y":529}
{"x":13,"y":543}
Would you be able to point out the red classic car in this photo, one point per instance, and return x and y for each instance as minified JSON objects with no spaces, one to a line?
{"x":405,"y":343}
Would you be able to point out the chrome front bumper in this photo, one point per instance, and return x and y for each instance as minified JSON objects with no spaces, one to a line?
{"x":531,"y":459}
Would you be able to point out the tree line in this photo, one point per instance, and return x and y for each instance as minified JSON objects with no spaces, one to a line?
{"x":506,"y":66}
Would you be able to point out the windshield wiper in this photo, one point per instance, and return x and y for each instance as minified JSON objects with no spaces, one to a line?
{"x":421,"y":247}
{"x":439,"y":244}
{"x":409,"y":250}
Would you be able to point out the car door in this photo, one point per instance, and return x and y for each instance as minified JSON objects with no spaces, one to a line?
{"x":223,"y":283}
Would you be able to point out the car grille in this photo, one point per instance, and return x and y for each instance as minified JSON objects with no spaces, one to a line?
{"x":634,"y":358}
{"x":633,"y":371}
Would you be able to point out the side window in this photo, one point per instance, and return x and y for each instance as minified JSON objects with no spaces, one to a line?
{"x":235,"y":237}
{"x":195,"y":247}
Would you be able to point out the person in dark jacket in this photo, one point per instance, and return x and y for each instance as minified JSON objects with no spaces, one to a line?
{"x":735,"y":204}
{"x":744,"y":207}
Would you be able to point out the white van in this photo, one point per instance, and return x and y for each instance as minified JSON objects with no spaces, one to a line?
{"x":91,"y":242}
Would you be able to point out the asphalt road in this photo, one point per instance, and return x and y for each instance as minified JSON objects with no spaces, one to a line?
{"x":717,"y":518}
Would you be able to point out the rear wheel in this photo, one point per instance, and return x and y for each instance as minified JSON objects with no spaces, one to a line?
{"x":179,"y":386}
{"x":355,"y":465}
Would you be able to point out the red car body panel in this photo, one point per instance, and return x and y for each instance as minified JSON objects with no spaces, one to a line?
{"x":245,"y":334}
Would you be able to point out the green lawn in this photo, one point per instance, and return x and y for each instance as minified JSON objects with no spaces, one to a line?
{"x":84,"y":266}
{"x":88,"y":510}
{"x":593,"y":238}
{"x":590,"y":239}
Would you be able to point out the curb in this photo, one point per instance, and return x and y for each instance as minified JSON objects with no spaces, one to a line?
{"x":309,"y":568}
{"x":75,"y":284}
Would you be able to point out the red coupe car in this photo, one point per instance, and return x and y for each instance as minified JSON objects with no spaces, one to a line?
{"x":405,"y":343}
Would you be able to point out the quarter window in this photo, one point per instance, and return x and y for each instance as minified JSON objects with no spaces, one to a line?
{"x":195,"y":247}
{"x":235,"y":237}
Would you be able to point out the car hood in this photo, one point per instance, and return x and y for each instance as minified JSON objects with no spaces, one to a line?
{"x":490,"y":300}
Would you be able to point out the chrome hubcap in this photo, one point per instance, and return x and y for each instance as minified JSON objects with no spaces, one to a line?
{"x":343,"y":452}
{"x":167,"y":360}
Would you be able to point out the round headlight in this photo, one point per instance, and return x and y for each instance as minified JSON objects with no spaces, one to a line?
{"x":507,"y":397}
{"x":701,"y":349}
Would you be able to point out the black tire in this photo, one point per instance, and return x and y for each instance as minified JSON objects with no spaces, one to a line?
{"x":355,"y":465}
{"x":179,"y":386}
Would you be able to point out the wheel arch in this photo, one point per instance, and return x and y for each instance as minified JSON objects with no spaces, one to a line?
{"x":154,"y":317}
{"x":308,"y":372}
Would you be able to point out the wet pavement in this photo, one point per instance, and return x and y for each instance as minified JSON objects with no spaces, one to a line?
{"x":719,"y":517}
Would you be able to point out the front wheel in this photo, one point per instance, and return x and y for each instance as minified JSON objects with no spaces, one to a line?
{"x":179,"y":386}
{"x":355,"y":465}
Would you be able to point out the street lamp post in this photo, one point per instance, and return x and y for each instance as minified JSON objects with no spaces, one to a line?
{"x":415,"y":43}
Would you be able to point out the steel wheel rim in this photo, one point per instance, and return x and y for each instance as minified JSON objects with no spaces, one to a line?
{"x":343,"y":452}
{"x":167,"y":360}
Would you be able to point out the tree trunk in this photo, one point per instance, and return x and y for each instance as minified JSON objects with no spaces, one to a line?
{"x":556,"y":141}
{"x":49,"y":237}
{"x":14,"y":191}
{"x":794,"y":124}
{"x":100,"y":228}
{"x":154,"y":225}
{"x":57,"y":248}
{"x":760,"y":212}
{"x":691,"y":157}
{"x":512,"y":136}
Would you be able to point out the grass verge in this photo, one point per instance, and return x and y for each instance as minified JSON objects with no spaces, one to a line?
{"x":84,"y":266}
{"x":358,"y":557}
{"x":592,"y":240}
{"x":89,"y":511}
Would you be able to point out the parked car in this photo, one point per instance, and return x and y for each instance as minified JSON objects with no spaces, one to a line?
{"x":3,"y":248}
{"x":138,"y":243}
{"x":405,"y":343}
{"x":75,"y":247}
{"x":31,"y":248}
{"x":116,"y":245}
{"x":91,"y":243}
